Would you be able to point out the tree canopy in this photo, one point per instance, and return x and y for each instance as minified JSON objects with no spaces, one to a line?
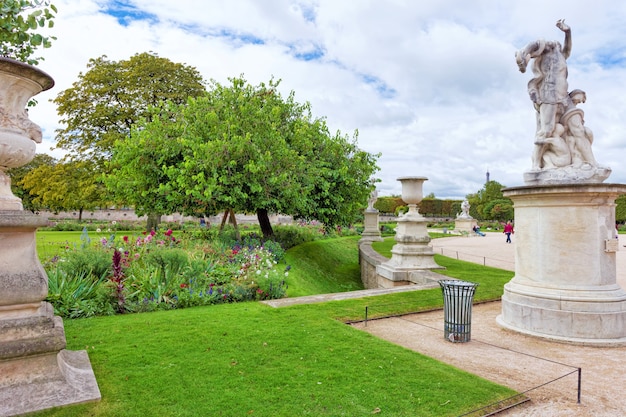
{"x":489,"y":203}
{"x":246,"y":148}
{"x":105,"y":102}
{"x":65,"y":186}
{"x":17,"y":175}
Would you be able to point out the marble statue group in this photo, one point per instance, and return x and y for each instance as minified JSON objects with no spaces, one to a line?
{"x":562,"y":141}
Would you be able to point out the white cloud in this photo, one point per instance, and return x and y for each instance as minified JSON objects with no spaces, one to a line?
{"x":431,"y":85}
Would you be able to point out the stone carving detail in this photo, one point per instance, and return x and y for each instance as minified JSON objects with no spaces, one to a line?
{"x":21,"y":123}
{"x":372,"y":200}
{"x":562,"y":152}
{"x":465,"y":207}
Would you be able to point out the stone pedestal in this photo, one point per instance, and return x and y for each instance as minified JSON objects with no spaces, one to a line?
{"x":565,"y":285}
{"x":465,"y":226}
{"x":371,"y":230}
{"x":36,"y":372}
{"x":412,"y":253}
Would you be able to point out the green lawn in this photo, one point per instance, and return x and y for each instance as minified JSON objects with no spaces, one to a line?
{"x":249,"y":359}
{"x":50,"y":244}
{"x":320,"y":267}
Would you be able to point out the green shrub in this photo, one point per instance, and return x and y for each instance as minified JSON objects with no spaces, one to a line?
{"x":167,"y":260}
{"x":290,"y":236}
{"x":76,"y":295}
{"x":90,"y":262}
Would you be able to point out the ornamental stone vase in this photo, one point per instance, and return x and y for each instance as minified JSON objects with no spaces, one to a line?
{"x":36,"y":372}
{"x":412,"y":256}
{"x":19,"y":82}
{"x":412,"y":193}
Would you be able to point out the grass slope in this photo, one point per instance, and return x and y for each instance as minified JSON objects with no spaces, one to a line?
{"x":324,"y":266}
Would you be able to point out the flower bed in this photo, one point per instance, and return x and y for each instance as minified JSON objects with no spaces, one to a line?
{"x":159,"y":270}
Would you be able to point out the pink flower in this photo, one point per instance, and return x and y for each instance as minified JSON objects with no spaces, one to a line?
{"x":169,"y":232}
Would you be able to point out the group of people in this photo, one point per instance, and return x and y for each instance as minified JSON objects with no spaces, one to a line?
{"x":508,"y":231}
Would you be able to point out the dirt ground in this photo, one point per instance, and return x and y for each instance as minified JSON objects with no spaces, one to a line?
{"x":519,"y":362}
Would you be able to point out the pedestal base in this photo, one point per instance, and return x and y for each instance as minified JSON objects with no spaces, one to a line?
{"x":371,"y":231}
{"x":36,"y":372}
{"x":465,"y":226}
{"x":40,"y":382}
{"x":564,"y":286}
{"x":594,"y":317}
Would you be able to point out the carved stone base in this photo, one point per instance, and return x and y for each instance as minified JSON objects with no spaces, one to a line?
{"x":586,"y":174}
{"x":565,"y":285}
{"x":45,"y":381}
{"x":412,"y":252}
{"x":464,"y":226}
{"x":371,"y":230}
{"x":36,"y":372}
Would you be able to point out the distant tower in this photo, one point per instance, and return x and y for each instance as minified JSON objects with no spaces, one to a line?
{"x":487,"y":176}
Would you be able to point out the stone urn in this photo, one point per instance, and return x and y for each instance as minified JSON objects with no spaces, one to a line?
{"x":36,"y":371}
{"x":412,"y":256}
{"x":19,"y":136}
{"x":412,"y":193}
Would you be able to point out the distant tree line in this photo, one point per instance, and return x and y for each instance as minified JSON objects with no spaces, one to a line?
{"x":488,"y":204}
{"x":429,"y":206}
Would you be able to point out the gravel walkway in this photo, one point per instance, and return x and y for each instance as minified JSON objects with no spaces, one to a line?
{"x":512,"y":359}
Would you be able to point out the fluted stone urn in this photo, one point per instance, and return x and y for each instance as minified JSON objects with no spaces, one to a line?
{"x":36,"y":372}
{"x":19,"y":136}
{"x":412,"y":257}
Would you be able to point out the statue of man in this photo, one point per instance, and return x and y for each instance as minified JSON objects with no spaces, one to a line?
{"x":548,"y":88}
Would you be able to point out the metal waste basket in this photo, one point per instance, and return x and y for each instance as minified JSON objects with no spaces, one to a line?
{"x":457,"y":309}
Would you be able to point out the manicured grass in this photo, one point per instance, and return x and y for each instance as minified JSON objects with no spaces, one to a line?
{"x":52,"y":243}
{"x":250,"y":359}
{"x":324,"y":266}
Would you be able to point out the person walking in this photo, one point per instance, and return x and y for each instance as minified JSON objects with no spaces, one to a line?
{"x":508,"y":230}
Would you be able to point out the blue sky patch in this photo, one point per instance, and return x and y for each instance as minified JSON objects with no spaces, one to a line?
{"x":125,"y":13}
{"x":313,"y":53}
{"x":379,"y":85}
{"x":611,"y":58}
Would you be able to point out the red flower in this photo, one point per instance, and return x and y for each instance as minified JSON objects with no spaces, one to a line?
{"x":169,"y":232}
{"x":183,"y":285}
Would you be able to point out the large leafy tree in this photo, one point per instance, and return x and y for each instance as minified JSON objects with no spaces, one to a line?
{"x":489,"y":203}
{"x":65,"y":186}
{"x":105,"y":102}
{"x":18,"y":174}
{"x":245,"y":148}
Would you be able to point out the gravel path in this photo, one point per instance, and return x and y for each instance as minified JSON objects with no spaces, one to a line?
{"x":512,"y":359}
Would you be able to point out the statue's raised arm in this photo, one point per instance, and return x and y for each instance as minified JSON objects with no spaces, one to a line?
{"x":567,"y":43}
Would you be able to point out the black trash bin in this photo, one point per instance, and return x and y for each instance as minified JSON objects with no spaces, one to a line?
{"x":457,"y":309}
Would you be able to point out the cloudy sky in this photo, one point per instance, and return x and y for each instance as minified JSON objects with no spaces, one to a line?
{"x":431,"y":85}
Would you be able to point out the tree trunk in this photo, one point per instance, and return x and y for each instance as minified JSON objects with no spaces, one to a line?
{"x":153,"y":222}
{"x":80,"y":215}
{"x":264,"y":222}
{"x":233,"y":221}
{"x":230,"y":215}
